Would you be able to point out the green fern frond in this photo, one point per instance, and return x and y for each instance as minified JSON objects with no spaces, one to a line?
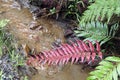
{"x":108,"y":69}
{"x":101,"y":9}
{"x":96,"y":31}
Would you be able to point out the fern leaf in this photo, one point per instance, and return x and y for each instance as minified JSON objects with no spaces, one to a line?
{"x":118,"y":69}
{"x":100,"y":10}
{"x":114,"y":59}
{"x":108,"y":69}
{"x":96,"y":31}
{"x":74,"y":52}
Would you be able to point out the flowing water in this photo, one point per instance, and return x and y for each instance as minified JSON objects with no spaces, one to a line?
{"x":39,"y":35}
{"x":20,"y":25}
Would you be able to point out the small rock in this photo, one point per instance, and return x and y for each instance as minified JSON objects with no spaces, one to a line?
{"x":34,"y":25}
{"x":0,"y":61}
{"x":68,"y":32}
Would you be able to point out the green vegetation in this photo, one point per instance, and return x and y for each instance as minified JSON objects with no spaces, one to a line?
{"x":2,"y":33}
{"x":101,"y":9}
{"x":99,"y":23}
{"x":72,"y":9}
{"x":17,"y":58}
{"x":96,"y":31}
{"x":7,"y":46}
{"x":1,"y":72}
{"x":6,"y":41}
{"x":108,"y":69}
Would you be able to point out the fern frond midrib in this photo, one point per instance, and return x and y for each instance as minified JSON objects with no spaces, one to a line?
{"x":71,"y":55}
{"x":97,"y":34}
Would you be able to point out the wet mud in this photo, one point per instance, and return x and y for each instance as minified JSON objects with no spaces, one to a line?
{"x":68,"y":72}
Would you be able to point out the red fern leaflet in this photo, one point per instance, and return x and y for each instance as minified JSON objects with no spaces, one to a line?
{"x":74,"y":52}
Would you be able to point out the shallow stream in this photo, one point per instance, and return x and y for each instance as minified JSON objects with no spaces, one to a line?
{"x":39,"y":35}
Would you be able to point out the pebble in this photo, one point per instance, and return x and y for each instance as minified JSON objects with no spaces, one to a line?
{"x":0,"y":61}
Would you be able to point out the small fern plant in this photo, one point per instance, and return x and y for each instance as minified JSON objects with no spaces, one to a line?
{"x":101,"y":9}
{"x":96,"y":31}
{"x":108,"y":69}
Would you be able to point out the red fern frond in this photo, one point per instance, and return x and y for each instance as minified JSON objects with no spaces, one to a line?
{"x":74,"y":52}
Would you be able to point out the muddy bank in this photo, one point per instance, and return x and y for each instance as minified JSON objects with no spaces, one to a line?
{"x":45,"y":32}
{"x":68,"y":72}
{"x":39,"y":35}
